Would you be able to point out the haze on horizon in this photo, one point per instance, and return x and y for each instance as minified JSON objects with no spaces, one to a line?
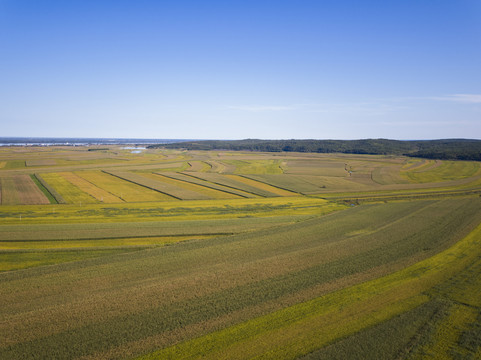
{"x":241,"y":69}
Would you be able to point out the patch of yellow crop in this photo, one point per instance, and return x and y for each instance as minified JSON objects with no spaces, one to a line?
{"x":96,"y":192}
{"x":125,"y":190}
{"x":69,"y":192}
{"x":199,"y":166}
{"x":417,"y":164}
{"x":2,"y":164}
{"x":256,"y":166}
{"x":446,"y":171}
{"x":208,"y":192}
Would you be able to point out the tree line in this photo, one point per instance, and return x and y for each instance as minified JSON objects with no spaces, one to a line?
{"x":446,"y":149}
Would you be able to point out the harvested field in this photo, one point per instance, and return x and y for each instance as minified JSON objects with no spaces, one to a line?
{"x":21,"y":190}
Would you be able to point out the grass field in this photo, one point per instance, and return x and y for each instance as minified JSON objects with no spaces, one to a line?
{"x":225,"y":255}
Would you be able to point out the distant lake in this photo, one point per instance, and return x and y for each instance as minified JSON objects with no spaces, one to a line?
{"x":135,"y":149}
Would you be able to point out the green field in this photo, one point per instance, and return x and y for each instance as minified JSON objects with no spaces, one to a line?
{"x":225,"y":255}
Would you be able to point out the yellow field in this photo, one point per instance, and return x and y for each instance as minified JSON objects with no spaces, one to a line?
{"x":69,"y":192}
{"x":122,"y":189}
{"x":211,"y":193}
{"x":262,"y":186}
{"x":91,"y":189}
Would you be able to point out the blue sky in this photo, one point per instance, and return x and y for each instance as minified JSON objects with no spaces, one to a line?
{"x":241,"y":69}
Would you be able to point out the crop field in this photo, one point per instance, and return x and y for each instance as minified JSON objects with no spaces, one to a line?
{"x":71,"y":193}
{"x":21,"y":190}
{"x":167,"y":254}
{"x":122,"y":189}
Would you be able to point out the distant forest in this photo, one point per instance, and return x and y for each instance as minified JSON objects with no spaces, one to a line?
{"x":447,"y":149}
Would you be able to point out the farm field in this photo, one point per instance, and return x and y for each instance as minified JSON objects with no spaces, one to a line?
{"x":172,"y":254}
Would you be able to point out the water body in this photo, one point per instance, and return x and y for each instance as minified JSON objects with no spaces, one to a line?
{"x":135,"y":149}
{"x":43,"y":141}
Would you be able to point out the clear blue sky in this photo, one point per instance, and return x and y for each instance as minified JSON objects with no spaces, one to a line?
{"x":241,"y":69}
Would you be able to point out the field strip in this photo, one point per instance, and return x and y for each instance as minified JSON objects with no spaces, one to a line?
{"x":210,"y":192}
{"x":214,"y":190}
{"x":68,"y":192}
{"x":300,"y":329}
{"x":358,"y":198}
{"x":40,"y":162}
{"x":289,"y":182}
{"x":185,"y":176}
{"x":58,"y":198}
{"x":199,"y":166}
{"x":91,"y":189}
{"x":224,"y":180}
{"x":28,"y":191}
{"x":126,"y":190}
{"x":191,"y":235}
{"x":142,"y":181}
{"x":267,"y":187}
{"x":9,"y":193}
{"x":253,"y":186}
{"x":114,"y":242}
{"x":216,"y":166}
{"x":263,"y":181}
